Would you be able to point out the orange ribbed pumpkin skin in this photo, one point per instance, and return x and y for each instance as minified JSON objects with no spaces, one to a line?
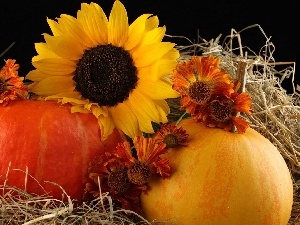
{"x":222,"y":178}
{"x":53,"y":143}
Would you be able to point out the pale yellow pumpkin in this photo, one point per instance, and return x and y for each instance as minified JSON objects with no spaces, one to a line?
{"x":222,"y":178}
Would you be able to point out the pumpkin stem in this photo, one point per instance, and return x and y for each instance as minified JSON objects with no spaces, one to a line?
{"x":241,"y":76}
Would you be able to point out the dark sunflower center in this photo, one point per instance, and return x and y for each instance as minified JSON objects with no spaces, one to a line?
{"x":199,"y":92}
{"x":2,"y":86}
{"x":171,"y":140}
{"x":221,"y":111}
{"x":118,"y":181}
{"x":106,"y":75}
{"x":139,"y":173}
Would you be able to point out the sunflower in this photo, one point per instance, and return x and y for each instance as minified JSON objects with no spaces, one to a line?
{"x":11,"y":85}
{"x":104,"y":66}
{"x":198,"y":80}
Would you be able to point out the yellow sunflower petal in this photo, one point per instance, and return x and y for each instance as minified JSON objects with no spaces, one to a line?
{"x":73,"y":101}
{"x":94,"y":22}
{"x":136,"y":31}
{"x":79,"y":109}
{"x":146,"y":71}
{"x":118,"y":25}
{"x":69,"y":94}
{"x":158,"y":70}
{"x":154,"y":53}
{"x":144,"y":109}
{"x":163,"y":110}
{"x":88,"y":105}
{"x":97,"y":110}
{"x":53,"y":85}
{"x":106,"y":125}
{"x":173,"y":54}
{"x":64,"y":46}
{"x":37,"y":75}
{"x":55,"y":67}
{"x":154,"y":36}
{"x":158,"y":90}
{"x":152,"y":23}
{"x":44,"y":52}
{"x":125,"y":119}
{"x":54,"y":26}
{"x":165,"y":67}
{"x":70,"y":26}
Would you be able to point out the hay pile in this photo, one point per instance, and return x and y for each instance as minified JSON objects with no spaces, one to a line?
{"x":276,"y":116}
{"x":19,"y":207}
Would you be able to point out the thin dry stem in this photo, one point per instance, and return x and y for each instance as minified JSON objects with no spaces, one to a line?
{"x":19,"y":207}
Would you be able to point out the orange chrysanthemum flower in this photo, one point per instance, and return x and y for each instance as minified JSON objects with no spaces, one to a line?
{"x":223,"y":112}
{"x":108,"y":172}
{"x":172,"y":136}
{"x":11,"y":85}
{"x":148,"y":159}
{"x":125,"y":176}
{"x":198,"y":80}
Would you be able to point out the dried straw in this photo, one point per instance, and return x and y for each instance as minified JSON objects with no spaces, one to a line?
{"x":276,"y":116}
{"x":19,"y":207}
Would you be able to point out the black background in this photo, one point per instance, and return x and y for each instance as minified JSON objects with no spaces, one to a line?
{"x":23,"y":22}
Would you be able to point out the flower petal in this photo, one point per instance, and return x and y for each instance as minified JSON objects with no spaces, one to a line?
{"x":54,"y":26}
{"x":243,"y":103}
{"x":94,"y":22}
{"x":64,"y":46}
{"x":70,"y":94}
{"x":56,"y":67}
{"x":152,"y":23}
{"x":99,"y":110}
{"x":79,"y":109}
{"x":43,"y":51}
{"x":136,"y":30}
{"x":158,"y":70}
{"x":118,"y":25}
{"x":36,"y":75}
{"x":241,"y":124}
{"x":158,"y":90}
{"x":74,"y":101}
{"x":70,"y":26}
{"x":53,"y":85}
{"x":154,"y":53}
{"x":154,"y":36}
{"x":144,"y":109}
{"x":163,"y":110}
{"x":125,"y":119}
{"x":106,"y":125}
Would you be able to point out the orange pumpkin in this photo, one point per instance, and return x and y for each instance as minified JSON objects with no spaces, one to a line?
{"x":222,"y":178}
{"x":52,"y":144}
